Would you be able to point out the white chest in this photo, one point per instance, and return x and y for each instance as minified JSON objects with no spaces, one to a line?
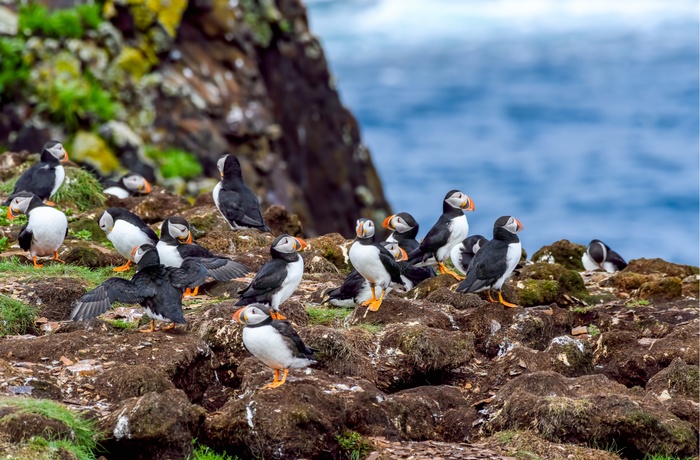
{"x":365,"y":259}
{"x":456,"y":257}
{"x":268,"y":345}
{"x":125,"y":237}
{"x":116,"y":191}
{"x":295,"y":271}
{"x":60,"y":176}
{"x":512,"y":259}
{"x":459,"y":229}
{"x":169,"y":255}
{"x":48,"y":227}
{"x":588,"y":263}
{"x":215,"y":194}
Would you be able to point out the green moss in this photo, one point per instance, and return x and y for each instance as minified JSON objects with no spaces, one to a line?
{"x":202,"y":452}
{"x":327,"y":316}
{"x":133,"y":61}
{"x":4,"y":243}
{"x":254,"y":16}
{"x":122,"y":324}
{"x":537,"y":292}
{"x":27,"y":273}
{"x":84,"y":432}
{"x":88,"y":147}
{"x":593,"y":330}
{"x":37,"y":20}
{"x":175,"y":162}
{"x":85,"y":235}
{"x":16,"y":318}
{"x":14,"y":69}
{"x":80,"y":189}
{"x":5,"y":222}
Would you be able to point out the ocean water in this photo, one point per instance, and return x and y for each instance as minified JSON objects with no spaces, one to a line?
{"x":579,"y":117}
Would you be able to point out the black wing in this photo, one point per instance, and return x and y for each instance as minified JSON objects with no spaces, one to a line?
{"x":222,"y":269}
{"x":390,"y":264}
{"x":25,"y":238}
{"x":299,"y":348}
{"x":193,"y":250}
{"x":39,"y":180}
{"x":437,"y":236}
{"x":486,"y":267}
{"x":616,"y":259}
{"x":98,"y":301}
{"x":190,"y":274}
{"x":266,"y":281}
{"x":349,"y":289}
{"x":242,"y":207}
{"x":415,"y":274}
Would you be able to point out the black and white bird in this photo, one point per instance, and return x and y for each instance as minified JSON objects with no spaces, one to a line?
{"x":46,"y":226}
{"x":129,"y":185}
{"x":372,"y":260}
{"x":157,"y":288}
{"x":273,"y":342}
{"x":404,"y":229}
{"x":451,"y":228}
{"x":463,"y":253}
{"x":355,"y":288}
{"x":126,"y":231}
{"x":279,"y":277}
{"x":175,"y":245}
{"x":44,"y":178}
{"x":234,"y":200}
{"x":495,"y":261}
{"x":599,"y":256}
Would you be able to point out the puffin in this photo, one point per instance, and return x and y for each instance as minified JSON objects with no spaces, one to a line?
{"x":355,"y":289}
{"x":599,"y":256}
{"x":404,"y":229}
{"x":46,"y":226}
{"x":234,"y":200}
{"x":155,"y":287}
{"x":495,"y":261}
{"x":451,"y":228}
{"x":126,"y":231}
{"x":273,"y":342}
{"x":176,"y":244}
{"x":44,"y":178}
{"x":279,"y":277}
{"x":372,"y":260}
{"x":129,"y":185}
{"x":463,"y":253}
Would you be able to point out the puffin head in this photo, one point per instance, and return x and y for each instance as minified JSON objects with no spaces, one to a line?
{"x":597,"y":251}
{"x":288,"y":244}
{"x":136,"y":183}
{"x":252,"y":314}
{"x":474,"y":243}
{"x":229,"y":166}
{"x":20,"y":204}
{"x":364,"y":228}
{"x":401,"y":223}
{"x":145,"y":250}
{"x":509,"y":223}
{"x":459,"y":200}
{"x":106,"y":221}
{"x":55,"y":150}
{"x":178,"y":228}
{"x":395,"y":250}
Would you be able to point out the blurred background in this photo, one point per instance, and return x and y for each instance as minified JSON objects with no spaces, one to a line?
{"x":579,"y":117}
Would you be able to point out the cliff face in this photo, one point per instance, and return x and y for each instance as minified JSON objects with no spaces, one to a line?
{"x":207,"y":77}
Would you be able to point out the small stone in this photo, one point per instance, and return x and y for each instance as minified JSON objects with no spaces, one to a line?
{"x":66,"y":361}
{"x":664,"y":396}
{"x":580,"y":330}
{"x":522,"y":364}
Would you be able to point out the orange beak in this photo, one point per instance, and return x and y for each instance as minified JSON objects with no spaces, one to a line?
{"x":133,"y":251}
{"x":237,"y":315}
{"x":302,"y":244}
{"x":10,"y":215}
{"x":404,"y":255}
{"x":468,"y":204}
{"x":64,"y":159}
{"x":520,"y":226}
{"x":387,"y":222}
{"x":189,"y":238}
{"x":146,"y":187}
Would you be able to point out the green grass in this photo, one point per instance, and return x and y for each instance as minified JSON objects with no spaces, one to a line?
{"x":327,"y":316}
{"x":4,"y":243}
{"x":84,"y":234}
{"x":174,"y":162}
{"x":122,"y":324}
{"x":80,"y":189}
{"x":637,"y":303}
{"x":85,"y":432}
{"x":5,"y":222}
{"x":93,"y":276}
{"x":664,"y":457}
{"x":16,"y":318}
{"x":372,"y":328}
{"x":14,"y":70}
{"x":593,"y":330}
{"x":580,"y":310}
{"x":202,"y":452}
{"x":354,"y":445}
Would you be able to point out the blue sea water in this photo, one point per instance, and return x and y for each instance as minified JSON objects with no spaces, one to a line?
{"x":579,"y":117}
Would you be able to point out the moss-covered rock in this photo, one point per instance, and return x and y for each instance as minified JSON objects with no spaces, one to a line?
{"x":570,"y":356}
{"x":679,"y":379}
{"x":562,"y":252}
{"x":132,"y":61}
{"x":332,"y":247}
{"x":691,"y":287}
{"x":282,"y":221}
{"x":627,"y":281}
{"x":660,"y":266}
{"x":536,"y":292}
{"x":130,"y":381}
{"x":662,"y":289}
{"x":89,"y":148}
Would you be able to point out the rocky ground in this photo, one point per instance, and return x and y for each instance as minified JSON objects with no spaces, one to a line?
{"x":589,"y":366}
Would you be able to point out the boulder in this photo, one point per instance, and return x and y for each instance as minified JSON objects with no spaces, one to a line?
{"x":562,"y":252}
